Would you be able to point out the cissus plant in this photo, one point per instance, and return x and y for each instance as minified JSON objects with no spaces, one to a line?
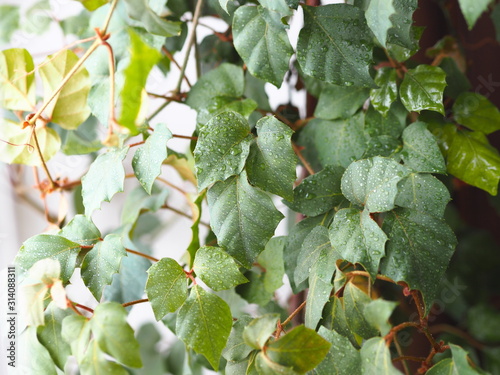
{"x":367,"y":252}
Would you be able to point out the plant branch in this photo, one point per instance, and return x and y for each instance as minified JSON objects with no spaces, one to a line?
{"x":126,"y":304}
{"x":166,"y":206}
{"x":457,"y":332}
{"x":44,"y":165}
{"x":142,"y":255}
{"x":112,"y":8}
{"x":83,"y":307}
{"x":304,"y":162}
{"x":295,"y":312}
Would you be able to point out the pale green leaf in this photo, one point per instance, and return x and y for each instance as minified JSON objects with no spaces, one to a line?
{"x":340,"y":101}
{"x":81,"y":230}
{"x":280,"y":6}
{"x":33,"y":357}
{"x":236,"y":348}
{"x":17,"y":88}
{"x":358,"y":239}
{"x":242,"y":217}
{"x":272,"y":260}
{"x":49,"y":246}
{"x":335,"y":318}
{"x":422,"y":89}
{"x":378,"y":312}
{"x":204,"y":323}
{"x":271,"y":162}
{"x":217,"y":269}
{"x":259,"y":330}
{"x":265,"y":366}
{"x":103,"y":180}
{"x":222,"y":148}
{"x":378,"y":19}
{"x":418,"y":251}
{"x":22,"y":147}
{"x":69,"y":108}
{"x":166,"y":287}
{"x":335,"y":45}
{"x":76,"y":332}
{"x":420,"y":151}
{"x":317,"y":296}
{"x":302,"y":349}
{"x":372,"y":183}
{"x":101,"y":263}
{"x":34,"y":297}
{"x":141,"y":11}
{"x":95,"y":362}
{"x":387,"y":93}
{"x":472,"y":9}
{"x":9,"y":21}
{"x":262,"y":42}
{"x":139,"y":201}
{"x":476,"y":112}
{"x":376,"y":358}
{"x":148,"y":159}
{"x":114,"y":335}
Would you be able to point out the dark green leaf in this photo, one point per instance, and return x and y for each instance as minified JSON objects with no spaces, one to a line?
{"x":255,"y":89}
{"x":262,"y":42}
{"x":140,"y":10}
{"x":403,"y":33}
{"x":114,"y":335}
{"x":271,"y":163}
{"x":418,"y":251}
{"x":358,"y":239}
{"x":49,"y":246}
{"x":476,"y":112}
{"x":387,"y":93}
{"x":17,"y":88}
{"x":242,"y":217}
{"x":236,"y":348}
{"x":383,"y":145}
{"x":483,"y":322}
{"x":221,"y":104}
{"x":166,"y":287}
{"x":226,"y":80}
{"x":372,"y":183}
{"x":98,"y":186}
{"x":421,"y":151}
{"x":335,"y":318}
{"x":81,"y":230}
{"x":472,"y":9}
{"x":317,"y":296}
{"x":422,"y":88}
{"x":376,"y":358}
{"x":335,"y":45}
{"x":302,"y":349}
{"x":456,"y":80}
{"x":340,"y":101}
{"x":101,"y":263}
{"x":148,"y":159}
{"x":377,"y":314}
{"x":355,"y":302}
{"x":204,"y":323}
{"x":392,"y":125}
{"x":378,"y":19}
{"x":318,"y":193}
{"x":222,"y":148}
{"x":458,"y":364}
{"x":259,"y":330}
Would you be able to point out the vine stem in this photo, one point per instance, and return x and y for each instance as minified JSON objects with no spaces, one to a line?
{"x":304,"y":162}
{"x":289,"y":319}
{"x":44,"y":164}
{"x":83,"y":307}
{"x":142,"y":255}
{"x":126,"y":304}
{"x":108,"y":17}
{"x":191,"y":40}
{"x":166,"y":206}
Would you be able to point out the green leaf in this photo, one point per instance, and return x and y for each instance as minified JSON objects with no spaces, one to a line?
{"x":472,"y":159}
{"x":340,"y":101}
{"x":98,"y":186}
{"x":166,"y":287}
{"x":81,"y":230}
{"x":222,"y":148}
{"x":69,"y":108}
{"x":9,"y":22}
{"x":138,"y":201}
{"x":376,"y":358}
{"x":226,"y":80}
{"x":336,"y":142}
{"x":483,"y":323}
{"x":317,"y":297}
{"x":236,"y":348}
{"x":358,"y":239}
{"x":418,"y":251}
{"x":50,"y":335}
{"x":372,"y":183}
{"x":93,"y":4}
{"x":355,"y":302}
{"x":272,"y":260}
{"x":259,"y":330}
{"x":318,"y":193}
{"x":392,"y":125}
{"x":36,"y":357}
{"x":280,"y":6}
{"x":302,"y":349}
{"x":421,"y":151}
{"x":265,"y":366}
{"x":424,"y":193}
{"x":142,"y":59}
{"x":422,"y":88}
{"x":101,"y":263}
{"x":95,"y":362}
{"x":35,"y":296}
{"x":378,"y":312}
{"x":114,"y":335}
{"x":335,"y":45}
{"x":342,"y":359}
{"x":378,"y":18}
{"x":387,"y":93}
{"x":76,"y":332}
{"x":271,"y":162}
{"x":221,"y":104}
{"x":243,"y":218}
{"x":456,"y":79}
{"x":335,"y":318}
{"x":17,"y":87}
{"x":204,"y":323}
{"x":83,"y":140}
{"x":476,"y":112}
{"x":217,"y":269}
{"x":148,"y":159}
{"x":18,"y":152}
{"x":49,"y":246}
{"x":403,"y":33}
{"x":458,"y":364}
{"x":472,"y":9}
{"x":140,"y":10}
{"x":262,"y":42}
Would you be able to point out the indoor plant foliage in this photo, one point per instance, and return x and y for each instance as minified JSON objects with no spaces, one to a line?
{"x":369,"y":200}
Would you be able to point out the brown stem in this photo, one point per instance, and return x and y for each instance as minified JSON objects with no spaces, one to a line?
{"x":457,"y":332}
{"x":295,"y":312}
{"x":142,"y":255}
{"x":390,"y":336}
{"x":176,"y":98}
{"x":126,"y":304}
{"x":184,"y":137}
{"x":136,"y":144}
{"x":366,"y":274}
{"x":409,"y":358}
{"x":304,"y":162}
{"x":44,"y":165}
{"x":171,"y":58}
{"x":84,"y":307}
